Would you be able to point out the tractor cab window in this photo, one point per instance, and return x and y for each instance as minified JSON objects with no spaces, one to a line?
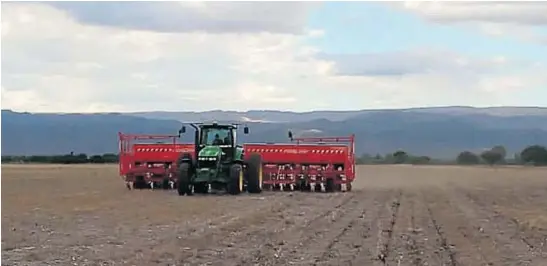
{"x":216,"y":136}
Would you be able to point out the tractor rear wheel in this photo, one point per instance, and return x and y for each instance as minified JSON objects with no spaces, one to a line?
{"x":254,"y":174}
{"x":235,"y":181}
{"x":183,"y":180}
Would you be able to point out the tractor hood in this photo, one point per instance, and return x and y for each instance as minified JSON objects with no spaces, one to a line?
{"x":210,"y":151}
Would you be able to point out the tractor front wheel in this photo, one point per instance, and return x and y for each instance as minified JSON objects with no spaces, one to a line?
{"x":235,"y":182}
{"x":254,"y":174}
{"x":185,"y":157}
{"x":183,"y":180}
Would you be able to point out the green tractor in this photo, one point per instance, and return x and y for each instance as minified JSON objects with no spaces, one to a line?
{"x":218,"y":163}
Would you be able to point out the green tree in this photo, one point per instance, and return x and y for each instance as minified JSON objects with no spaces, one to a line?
{"x":7,"y":159}
{"x":419,"y":159}
{"x":110,"y":158}
{"x":69,"y":158}
{"x":96,"y":159}
{"x":468,"y":158}
{"x":39,"y":159}
{"x":364,"y":159}
{"x":492,"y":157}
{"x":534,"y":154}
{"x":400,"y":157}
{"x":501,"y":150}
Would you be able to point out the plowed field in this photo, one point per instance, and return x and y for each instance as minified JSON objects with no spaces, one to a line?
{"x":396,"y":215}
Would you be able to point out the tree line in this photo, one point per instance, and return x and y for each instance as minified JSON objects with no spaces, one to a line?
{"x":63,"y":158}
{"x":531,"y":155}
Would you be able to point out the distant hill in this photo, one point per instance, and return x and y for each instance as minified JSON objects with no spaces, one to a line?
{"x":285,"y":116}
{"x":437,"y":132}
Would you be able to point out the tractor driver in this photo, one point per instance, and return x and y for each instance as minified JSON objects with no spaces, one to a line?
{"x":217,"y":140}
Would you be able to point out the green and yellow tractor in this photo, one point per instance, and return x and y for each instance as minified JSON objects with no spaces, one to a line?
{"x":218,"y":163}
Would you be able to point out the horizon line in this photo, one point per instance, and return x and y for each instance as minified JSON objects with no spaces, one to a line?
{"x":290,"y":111}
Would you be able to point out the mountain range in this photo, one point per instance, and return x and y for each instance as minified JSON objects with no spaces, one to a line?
{"x":440,"y":132}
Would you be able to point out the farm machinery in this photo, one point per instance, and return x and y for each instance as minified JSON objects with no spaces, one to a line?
{"x":153,"y":165}
{"x":214,"y":162}
{"x":308,"y":163}
{"x":218,"y":163}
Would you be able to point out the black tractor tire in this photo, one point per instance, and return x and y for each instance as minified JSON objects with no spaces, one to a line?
{"x":235,"y":182}
{"x":183,"y":180}
{"x":254,"y":174}
{"x":330,"y":186}
{"x":187,"y":157}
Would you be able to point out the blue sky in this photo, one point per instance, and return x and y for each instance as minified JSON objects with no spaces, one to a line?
{"x":361,"y":27}
{"x":300,"y":56}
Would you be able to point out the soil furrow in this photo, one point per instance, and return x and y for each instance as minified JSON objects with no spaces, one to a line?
{"x":466,"y":236}
{"x":403,"y":244}
{"x":515,"y":247}
{"x":338,"y":233}
{"x":322,"y":236}
{"x":199,"y":228}
{"x":386,"y":238}
{"x":529,"y":202}
{"x":256,"y":242}
{"x":396,"y":215}
{"x":356,"y":246}
{"x":312,"y":232}
{"x":425,"y":236}
{"x":197,"y":242}
{"x":445,"y":246}
{"x":376,"y":244}
{"x":219,"y":244}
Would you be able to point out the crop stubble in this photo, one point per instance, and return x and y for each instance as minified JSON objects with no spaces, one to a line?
{"x":396,"y":215}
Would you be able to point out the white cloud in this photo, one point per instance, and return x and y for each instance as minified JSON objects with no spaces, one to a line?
{"x":518,"y":19}
{"x":54,"y":62}
{"x":528,"y":13}
{"x":185,"y":16}
{"x":416,"y":62}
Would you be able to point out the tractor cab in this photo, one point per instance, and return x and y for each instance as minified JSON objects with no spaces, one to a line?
{"x":221,"y":138}
{"x":215,"y":143}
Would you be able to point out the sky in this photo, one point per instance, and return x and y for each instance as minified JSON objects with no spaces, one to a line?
{"x":298,"y":56}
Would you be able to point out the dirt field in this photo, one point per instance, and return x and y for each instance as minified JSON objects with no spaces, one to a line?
{"x":396,"y":215}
